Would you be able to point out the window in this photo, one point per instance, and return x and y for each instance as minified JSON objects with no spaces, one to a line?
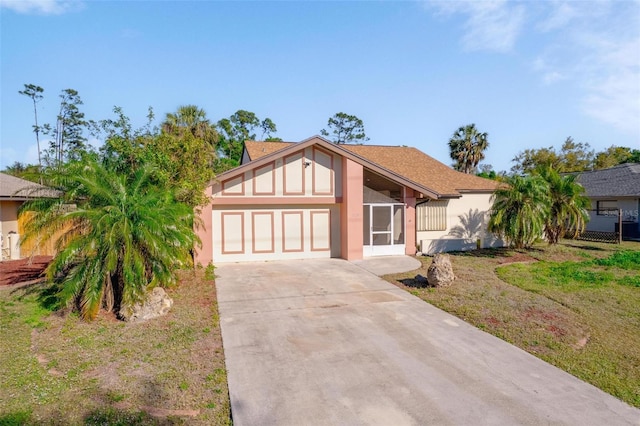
{"x":432,"y":215}
{"x":607,"y":208}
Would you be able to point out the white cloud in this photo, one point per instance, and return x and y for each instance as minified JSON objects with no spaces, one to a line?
{"x":593,"y":46}
{"x":560,"y":15}
{"x":490,"y":25}
{"x":42,"y":7}
{"x":613,"y":88}
{"x":550,"y":75}
{"x":598,"y":50}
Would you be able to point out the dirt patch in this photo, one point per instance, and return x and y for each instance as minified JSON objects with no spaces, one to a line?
{"x":23,"y":270}
{"x":516,"y":258}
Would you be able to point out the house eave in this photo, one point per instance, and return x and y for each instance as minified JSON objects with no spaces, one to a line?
{"x":326,"y":144}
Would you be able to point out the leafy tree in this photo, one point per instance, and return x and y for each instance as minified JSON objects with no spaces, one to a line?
{"x":124,"y":234}
{"x":491,"y":174}
{"x":635,"y":156}
{"x":184,"y":163}
{"x":182,"y":152}
{"x":567,"y":205}
{"x":487,"y":172}
{"x":573,"y":157}
{"x":529,"y":159}
{"x":466,"y":148}
{"x":193,"y":120}
{"x":69,"y":142}
{"x":576,"y":156}
{"x":344,"y":128}
{"x":234,"y":131}
{"x":520,"y":209}
{"x":24,"y":171}
{"x":612,"y":156}
{"x":35,"y":94}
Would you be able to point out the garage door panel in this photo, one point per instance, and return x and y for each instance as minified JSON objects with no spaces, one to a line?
{"x":293,"y":232}
{"x":232,"y":235}
{"x":320,"y":230}
{"x":274,"y":234}
{"x":262,"y":231}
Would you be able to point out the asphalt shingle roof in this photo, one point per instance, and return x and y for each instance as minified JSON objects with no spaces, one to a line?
{"x":619,"y":181}
{"x":16,"y":188}
{"x":409,"y":162}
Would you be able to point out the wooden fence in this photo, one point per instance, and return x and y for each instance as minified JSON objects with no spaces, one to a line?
{"x":35,"y":246}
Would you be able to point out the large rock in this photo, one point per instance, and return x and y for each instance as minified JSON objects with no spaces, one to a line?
{"x":440,"y":272}
{"x":156,"y":304}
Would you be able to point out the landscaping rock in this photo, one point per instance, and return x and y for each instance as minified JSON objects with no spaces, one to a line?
{"x":156,"y":304}
{"x":440,"y":272}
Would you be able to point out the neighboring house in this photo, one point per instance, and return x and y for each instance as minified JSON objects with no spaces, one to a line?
{"x":13,"y":193}
{"x":315,"y":199}
{"x":612,"y":190}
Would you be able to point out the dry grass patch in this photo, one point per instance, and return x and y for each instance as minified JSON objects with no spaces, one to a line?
{"x":575,"y":305}
{"x":58,"y":369}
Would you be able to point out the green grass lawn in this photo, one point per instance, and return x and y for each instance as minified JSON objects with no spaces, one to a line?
{"x":57,"y":369}
{"x":575,"y":305}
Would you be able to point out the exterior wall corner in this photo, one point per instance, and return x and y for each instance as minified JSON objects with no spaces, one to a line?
{"x":203,"y":228}
{"x":351,"y":211}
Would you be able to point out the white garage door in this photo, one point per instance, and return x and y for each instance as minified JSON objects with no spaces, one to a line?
{"x":274,"y":234}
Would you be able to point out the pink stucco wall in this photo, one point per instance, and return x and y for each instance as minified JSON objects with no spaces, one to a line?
{"x":410,"y":221}
{"x":351,"y":210}
{"x":204,"y":230}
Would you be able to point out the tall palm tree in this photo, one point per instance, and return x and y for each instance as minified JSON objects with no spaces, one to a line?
{"x":466,"y":148}
{"x":568,"y":205}
{"x":192,"y":119}
{"x":123,"y":236}
{"x":520,"y":210}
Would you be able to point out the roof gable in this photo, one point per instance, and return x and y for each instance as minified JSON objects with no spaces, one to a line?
{"x":409,"y":164}
{"x":618,"y":181}
{"x":259,"y":157}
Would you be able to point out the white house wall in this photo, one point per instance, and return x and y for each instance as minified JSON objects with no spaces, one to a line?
{"x":457,"y":236}
{"x":607,"y":222}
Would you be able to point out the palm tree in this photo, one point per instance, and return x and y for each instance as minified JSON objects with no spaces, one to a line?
{"x":568,"y":204}
{"x":192,"y":119}
{"x":466,"y":148}
{"x":123,"y":235}
{"x":520,"y":210}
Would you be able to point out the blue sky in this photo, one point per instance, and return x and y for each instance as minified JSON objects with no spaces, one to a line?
{"x":529,"y":73}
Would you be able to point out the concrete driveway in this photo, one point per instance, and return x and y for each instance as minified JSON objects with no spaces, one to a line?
{"x":327,"y":342}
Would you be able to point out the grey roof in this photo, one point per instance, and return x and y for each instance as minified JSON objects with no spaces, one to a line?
{"x":15,"y":188}
{"x":619,"y":181}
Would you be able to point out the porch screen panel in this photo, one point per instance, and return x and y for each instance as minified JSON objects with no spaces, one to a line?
{"x":398,"y":229}
{"x":381,"y":229}
{"x":432,"y":215}
{"x":366,"y":225}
